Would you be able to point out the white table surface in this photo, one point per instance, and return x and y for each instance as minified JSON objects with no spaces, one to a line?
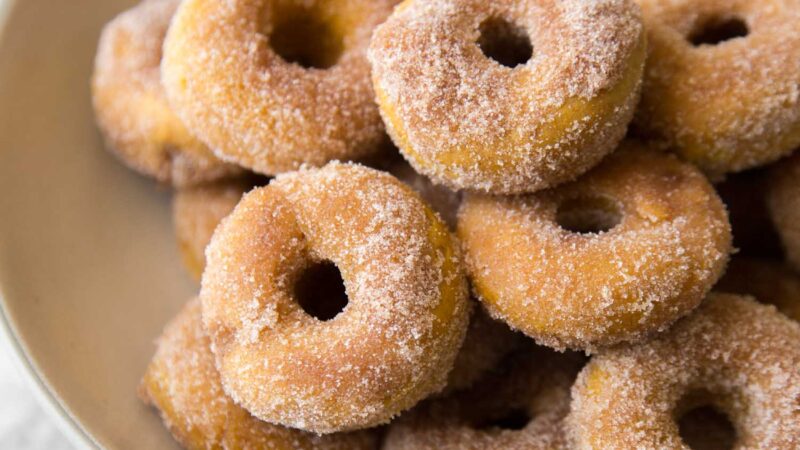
{"x":24,"y":425}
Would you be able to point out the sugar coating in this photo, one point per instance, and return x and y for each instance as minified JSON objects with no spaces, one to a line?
{"x":732,"y":352}
{"x":394,"y":342}
{"x":585,"y":290}
{"x":196,"y":212}
{"x":725,"y":107}
{"x":783,"y":201}
{"x":535,"y":381}
{"x":251,"y":106}
{"x":131,"y":107}
{"x":466,"y":121}
{"x":768,"y":281}
{"x":183,"y":383}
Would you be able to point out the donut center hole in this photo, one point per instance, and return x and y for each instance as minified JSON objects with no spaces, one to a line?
{"x":320,"y":291}
{"x":304,"y":37}
{"x":718,"y":30}
{"x":514,"y":419}
{"x":706,"y":428}
{"x":504,"y":42}
{"x":588,"y":215}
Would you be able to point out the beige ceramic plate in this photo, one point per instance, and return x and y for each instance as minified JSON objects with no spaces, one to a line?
{"x":89,"y":272}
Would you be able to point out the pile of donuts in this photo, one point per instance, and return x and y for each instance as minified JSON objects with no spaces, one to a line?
{"x":470,"y":224}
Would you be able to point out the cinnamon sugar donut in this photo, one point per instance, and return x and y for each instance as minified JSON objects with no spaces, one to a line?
{"x":768,"y":281}
{"x":624,"y":251}
{"x":183,"y":383}
{"x":131,"y":107}
{"x":521,"y":406}
{"x":196,"y":212}
{"x":720,"y":86}
{"x":553,"y":96}
{"x":406,"y":301}
{"x":783,"y":201}
{"x":275,"y":84}
{"x":732,"y":353}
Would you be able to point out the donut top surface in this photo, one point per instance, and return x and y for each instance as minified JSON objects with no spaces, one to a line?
{"x":275,"y":84}
{"x":392,"y":343}
{"x":453,"y":104}
{"x":733,"y":353}
{"x":721,"y":85}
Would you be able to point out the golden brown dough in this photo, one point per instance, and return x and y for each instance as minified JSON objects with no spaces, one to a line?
{"x":131,"y":107}
{"x":733,"y":353}
{"x":184,"y":385}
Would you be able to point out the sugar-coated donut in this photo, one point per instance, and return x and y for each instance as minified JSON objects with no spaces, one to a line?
{"x":620,"y":253}
{"x":131,"y":107}
{"x":783,"y":201}
{"x":732,"y":353}
{"x":183,"y":383}
{"x":196,"y":212}
{"x":768,"y":281}
{"x":720,"y":86}
{"x":486,"y":343}
{"x":275,"y":84}
{"x":468,"y":121}
{"x":406,"y":309}
{"x":519,"y":406}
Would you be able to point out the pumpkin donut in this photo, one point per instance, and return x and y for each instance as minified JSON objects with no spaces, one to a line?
{"x":552,"y":98}
{"x":614,"y":256}
{"x":720,"y":87}
{"x":406,"y":308}
{"x":183,"y":383}
{"x":196,"y":212}
{"x":131,"y":107}
{"x":733,"y":353}
{"x":275,"y":84}
{"x":519,"y":406}
{"x":783,"y":201}
{"x":768,"y":281}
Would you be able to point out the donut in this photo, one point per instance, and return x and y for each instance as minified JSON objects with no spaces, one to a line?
{"x":734,"y":354}
{"x":520,"y":406}
{"x":720,"y":87}
{"x":275,"y":84}
{"x":486,"y":343}
{"x":768,"y":281}
{"x":620,"y":253}
{"x":131,"y":108}
{"x":182,"y":382}
{"x":783,"y":201}
{"x":507,"y":96}
{"x":196,"y":212}
{"x":289,"y":344}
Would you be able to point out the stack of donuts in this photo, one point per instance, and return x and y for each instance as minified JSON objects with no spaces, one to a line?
{"x":470,"y":224}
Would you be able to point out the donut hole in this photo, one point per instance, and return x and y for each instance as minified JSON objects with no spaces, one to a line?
{"x":320,"y":291}
{"x":588,"y":215}
{"x":512,"y":419}
{"x":305,"y":37}
{"x":707,"y":428}
{"x":504,"y":42}
{"x":718,"y":30}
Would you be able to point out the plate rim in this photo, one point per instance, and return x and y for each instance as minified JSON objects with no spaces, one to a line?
{"x":45,"y":397}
